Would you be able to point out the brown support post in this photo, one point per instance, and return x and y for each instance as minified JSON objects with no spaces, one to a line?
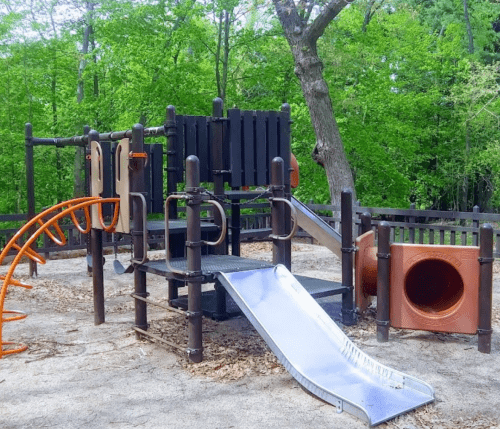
{"x":218,"y":164}
{"x":218,"y":175}
{"x":86,"y":131}
{"x":366,"y":222}
{"x":278,"y":211}
{"x":285,"y":131}
{"x":348,"y":312}
{"x":485,"y":288}
{"x":30,"y":184}
{"x":137,"y":185}
{"x":171,"y":132}
{"x":193,"y":253}
{"x":97,"y":262}
{"x":383,"y":287}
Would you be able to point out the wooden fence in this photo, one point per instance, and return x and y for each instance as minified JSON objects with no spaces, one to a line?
{"x":422,"y":226}
{"x":409,"y":226}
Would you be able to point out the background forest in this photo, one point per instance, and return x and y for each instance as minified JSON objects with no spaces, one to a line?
{"x":414,"y":86}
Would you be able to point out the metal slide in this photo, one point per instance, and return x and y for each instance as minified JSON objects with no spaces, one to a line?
{"x":316,"y":351}
{"x":317,"y":227}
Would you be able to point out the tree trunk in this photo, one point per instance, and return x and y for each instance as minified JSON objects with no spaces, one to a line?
{"x":329,"y":149}
{"x":79,"y":167}
{"x":302,"y":38}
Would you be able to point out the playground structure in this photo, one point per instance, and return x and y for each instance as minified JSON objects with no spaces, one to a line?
{"x":230,"y":150}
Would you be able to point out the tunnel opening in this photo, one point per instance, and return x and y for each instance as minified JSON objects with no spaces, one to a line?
{"x":434,"y":286}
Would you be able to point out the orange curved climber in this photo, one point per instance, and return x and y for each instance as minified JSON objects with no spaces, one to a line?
{"x":66,"y":208}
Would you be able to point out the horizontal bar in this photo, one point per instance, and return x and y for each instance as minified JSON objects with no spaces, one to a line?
{"x":166,"y":307}
{"x":412,"y":212}
{"x":157,"y":338}
{"x":83,"y":140}
{"x":60,"y":142}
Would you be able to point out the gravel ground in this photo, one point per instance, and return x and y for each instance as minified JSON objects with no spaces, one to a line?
{"x":77,"y":375}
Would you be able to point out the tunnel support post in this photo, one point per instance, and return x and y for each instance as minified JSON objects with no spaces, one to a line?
{"x":366,"y":222}
{"x":383,"y":287}
{"x":193,"y":253}
{"x":97,"y":262}
{"x":485,"y":288}
{"x":348,"y":312}
{"x":137,"y":185}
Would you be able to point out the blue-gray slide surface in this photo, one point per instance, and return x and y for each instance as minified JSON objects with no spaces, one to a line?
{"x":315,"y":350}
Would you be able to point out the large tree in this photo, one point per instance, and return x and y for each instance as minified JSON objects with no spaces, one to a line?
{"x":304,"y":22}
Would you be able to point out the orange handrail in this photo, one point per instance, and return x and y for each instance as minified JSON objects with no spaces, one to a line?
{"x":67,"y":207}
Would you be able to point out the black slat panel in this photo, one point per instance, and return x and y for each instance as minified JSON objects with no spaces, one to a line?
{"x":248,"y":160}
{"x":179,"y":148}
{"x":261,"y":159}
{"x":235,"y":146}
{"x":157,"y":178}
{"x":203,"y":147}
{"x":191,"y":147}
{"x":284,"y":145}
{"x":226,"y":153}
{"x":210,"y":150}
{"x":272,"y":140}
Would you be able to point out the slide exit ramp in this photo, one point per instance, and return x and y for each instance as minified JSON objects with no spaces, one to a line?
{"x":317,"y":227}
{"x":315,"y":350}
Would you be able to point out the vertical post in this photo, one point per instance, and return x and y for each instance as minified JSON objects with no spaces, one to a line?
{"x":86,"y":151}
{"x":97,"y":262}
{"x":348,"y":313}
{"x":485,"y":288}
{"x":137,"y":184}
{"x":171,"y":132}
{"x":366,"y":222}
{"x":383,"y":288}
{"x":193,"y":253}
{"x":218,"y":163}
{"x":285,"y":142}
{"x":218,"y":175}
{"x":475,"y":224}
{"x":411,"y":229}
{"x":30,"y":183}
{"x":278,"y":211}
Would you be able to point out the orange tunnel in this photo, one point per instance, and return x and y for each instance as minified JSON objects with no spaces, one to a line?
{"x":432,"y":288}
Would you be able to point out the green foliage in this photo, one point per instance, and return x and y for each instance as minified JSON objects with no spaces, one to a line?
{"x":418,"y":114}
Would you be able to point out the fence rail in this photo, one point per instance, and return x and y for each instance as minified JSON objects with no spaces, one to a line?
{"x":409,"y":226}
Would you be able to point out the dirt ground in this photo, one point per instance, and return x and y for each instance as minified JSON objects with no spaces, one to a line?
{"x":78,"y":375}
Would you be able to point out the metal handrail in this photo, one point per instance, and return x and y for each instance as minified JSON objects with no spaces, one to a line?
{"x":224,"y":225}
{"x":167,"y":232}
{"x":293,"y":213}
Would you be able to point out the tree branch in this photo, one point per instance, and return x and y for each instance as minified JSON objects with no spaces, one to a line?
{"x":289,"y":18}
{"x":309,"y":11}
{"x":327,"y":15}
